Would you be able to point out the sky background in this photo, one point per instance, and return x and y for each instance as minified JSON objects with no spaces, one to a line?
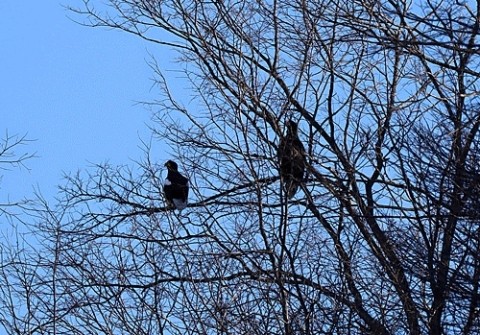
{"x":73,"y":90}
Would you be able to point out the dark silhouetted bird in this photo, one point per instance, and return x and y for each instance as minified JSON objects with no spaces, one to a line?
{"x":175,"y":187}
{"x":291,"y":156}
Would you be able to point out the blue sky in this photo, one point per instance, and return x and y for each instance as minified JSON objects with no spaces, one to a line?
{"x":73,"y":90}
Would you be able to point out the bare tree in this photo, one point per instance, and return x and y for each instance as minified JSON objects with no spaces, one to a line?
{"x":10,"y":158}
{"x":12,"y":253}
{"x":383,"y":236}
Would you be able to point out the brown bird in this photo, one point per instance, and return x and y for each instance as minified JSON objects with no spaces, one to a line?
{"x":291,"y":156}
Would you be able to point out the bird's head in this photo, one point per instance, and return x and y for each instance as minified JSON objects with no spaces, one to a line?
{"x":292,"y":126}
{"x":171,"y":165}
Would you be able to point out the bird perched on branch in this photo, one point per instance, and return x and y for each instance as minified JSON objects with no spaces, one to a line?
{"x":175,"y":187}
{"x":291,"y":156}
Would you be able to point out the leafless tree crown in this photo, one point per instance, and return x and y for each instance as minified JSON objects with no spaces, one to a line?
{"x":382,"y":238}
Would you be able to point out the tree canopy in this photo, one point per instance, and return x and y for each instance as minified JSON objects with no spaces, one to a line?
{"x":381,"y":238}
